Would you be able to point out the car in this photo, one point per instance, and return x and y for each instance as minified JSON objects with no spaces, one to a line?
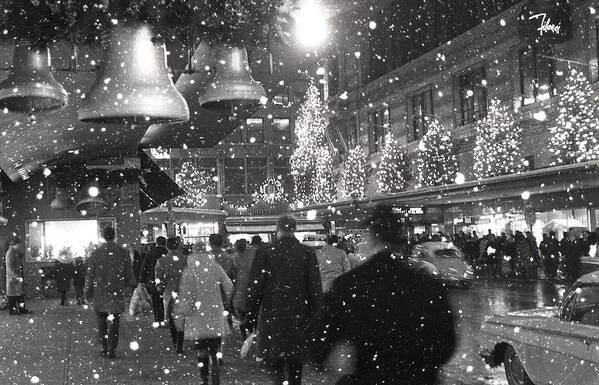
{"x":445,"y":261}
{"x":550,"y":345}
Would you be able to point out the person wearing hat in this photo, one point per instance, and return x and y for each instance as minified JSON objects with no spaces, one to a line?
{"x":14,"y":277}
{"x":283,"y":293}
{"x":394,"y":315}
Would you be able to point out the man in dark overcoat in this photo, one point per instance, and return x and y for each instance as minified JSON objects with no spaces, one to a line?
{"x":284,"y":292}
{"x":109,"y":275}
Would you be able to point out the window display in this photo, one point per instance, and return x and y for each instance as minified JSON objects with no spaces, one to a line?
{"x":65,"y":240}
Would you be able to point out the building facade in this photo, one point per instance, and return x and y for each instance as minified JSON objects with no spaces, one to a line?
{"x":376,"y":90}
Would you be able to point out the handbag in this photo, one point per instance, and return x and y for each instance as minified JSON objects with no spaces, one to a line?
{"x":140,"y":302}
{"x":248,"y":344}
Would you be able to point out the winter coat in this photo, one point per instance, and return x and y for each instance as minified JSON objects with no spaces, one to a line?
{"x":169,"y":269}
{"x":397,"y":318}
{"x":245,"y":261}
{"x":523,"y":254}
{"x":148,"y":268}
{"x":227,"y":262}
{"x":14,"y":272}
{"x":109,"y":274}
{"x":284,"y":292}
{"x":62,"y":274}
{"x":204,"y":287}
{"x":332,"y":262}
{"x":79,"y":275}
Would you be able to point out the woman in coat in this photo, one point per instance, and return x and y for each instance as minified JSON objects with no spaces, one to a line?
{"x":14,"y":277}
{"x":204,"y":288}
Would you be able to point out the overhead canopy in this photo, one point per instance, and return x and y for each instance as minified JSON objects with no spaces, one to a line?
{"x":270,"y":228}
{"x":160,"y":215}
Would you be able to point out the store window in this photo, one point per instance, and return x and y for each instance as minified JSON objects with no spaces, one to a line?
{"x":256,"y":173}
{"x":281,"y":130}
{"x":64,"y":239}
{"x":281,"y":98}
{"x":378,"y":127}
{"x":282,"y":172}
{"x":234,"y":176}
{"x":536,"y":76}
{"x":473,"y":96}
{"x":255,"y":130}
{"x":422,"y":107}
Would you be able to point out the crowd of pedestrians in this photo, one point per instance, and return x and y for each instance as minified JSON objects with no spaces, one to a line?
{"x":299,"y":303}
{"x":520,"y":255}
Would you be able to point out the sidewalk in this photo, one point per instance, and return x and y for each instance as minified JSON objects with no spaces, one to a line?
{"x":56,"y":345}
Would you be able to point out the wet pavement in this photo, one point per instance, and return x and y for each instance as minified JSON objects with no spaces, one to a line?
{"x":56,"y":344}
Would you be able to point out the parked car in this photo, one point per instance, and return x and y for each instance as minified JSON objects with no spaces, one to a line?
{"x":551,"y":345}
{"x":446,"y":261}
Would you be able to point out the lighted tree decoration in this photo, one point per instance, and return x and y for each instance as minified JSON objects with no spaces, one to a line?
{"x":271,"y":191}
{"x":353,"y":178}
{"x":197,"y":185}
{"x":437,"y":162}
{"x":575,"y":137}
{"x":312,"y":159}
{"x":393,"y":172}
{"x":498,"y":149}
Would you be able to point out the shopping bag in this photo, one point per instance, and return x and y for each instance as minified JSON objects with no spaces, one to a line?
{"x":247,"y":345}
{"x":140,"y":302}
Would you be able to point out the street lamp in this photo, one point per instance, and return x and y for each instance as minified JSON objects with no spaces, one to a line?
{"x":311,"y":24}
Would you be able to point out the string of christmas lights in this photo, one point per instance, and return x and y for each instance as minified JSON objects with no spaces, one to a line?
{"x":575,"y":137}
{"x":197,"y":185}
{"x":312,"y":160}
{"x":437,"y":162}
{"x":498,"y":149}
{"x":353,"y":179}
{"x":393,"y":173}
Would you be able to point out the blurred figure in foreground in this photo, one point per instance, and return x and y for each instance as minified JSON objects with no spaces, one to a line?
{"x":394,"y":316}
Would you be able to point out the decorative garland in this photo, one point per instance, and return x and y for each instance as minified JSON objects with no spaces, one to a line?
{"x":272,"y":191}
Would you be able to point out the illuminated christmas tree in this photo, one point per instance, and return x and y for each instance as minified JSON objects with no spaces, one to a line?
{"x":575,"y":138}
{"x":393,"y":173}
{"x":437,"y":162}
{"x":312,"y":159}
{"x":197,"y":185}
{"x":353,"y":179}
{"x":498,"y":149}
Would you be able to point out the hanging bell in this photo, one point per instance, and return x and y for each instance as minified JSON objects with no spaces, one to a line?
{"x":62,"y":200}
{"x":232,"y":86}
{"x":30,"y":85}
{"x":133,"y":84}
{"x":91,"y":201}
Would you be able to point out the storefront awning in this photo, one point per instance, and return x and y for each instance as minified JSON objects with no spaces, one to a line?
{"x":160,"y":215}
{"x":155,"y":186}
{"x":270,"y":228}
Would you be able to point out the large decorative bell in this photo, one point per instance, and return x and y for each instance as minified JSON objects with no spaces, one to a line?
{"x":232,"y":85}
{"x":30,"y":85}
{"x":133,"y":84}
{"x":91,"y":202}
{"x":62,"y":200}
